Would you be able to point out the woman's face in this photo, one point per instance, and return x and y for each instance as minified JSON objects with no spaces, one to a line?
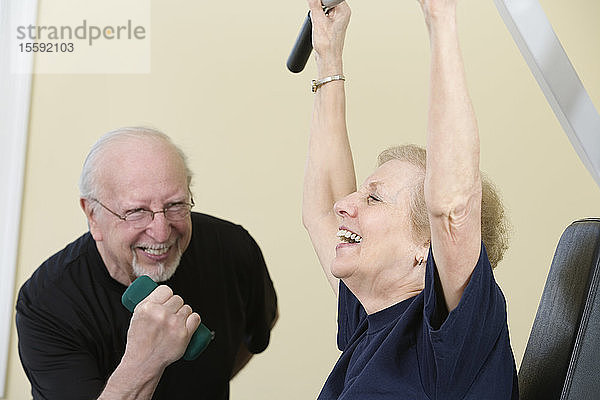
{"x":380,"y":249}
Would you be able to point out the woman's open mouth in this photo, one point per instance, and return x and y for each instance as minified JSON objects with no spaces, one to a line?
{"x":347,"y":236}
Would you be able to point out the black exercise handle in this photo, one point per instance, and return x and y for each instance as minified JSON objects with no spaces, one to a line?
{"x":302,"y":48}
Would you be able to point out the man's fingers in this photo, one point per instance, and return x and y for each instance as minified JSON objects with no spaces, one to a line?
{"x":193,"y":322}
{"x":161,"y":294}
{"x":164,"y":298}
{"x":185,"y":311}
{"x":174,"y":303}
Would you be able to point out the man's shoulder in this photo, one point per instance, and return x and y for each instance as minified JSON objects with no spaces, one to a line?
{"x":204,"y":223}
{"x":206,"y":219}
{"x":215,"y":236}
{"x":55,"y":270}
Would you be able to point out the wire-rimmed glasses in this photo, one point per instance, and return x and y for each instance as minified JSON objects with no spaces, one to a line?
{"x":140,"y":217}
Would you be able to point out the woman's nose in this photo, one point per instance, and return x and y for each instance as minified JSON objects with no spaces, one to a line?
{"x":346,"y":207}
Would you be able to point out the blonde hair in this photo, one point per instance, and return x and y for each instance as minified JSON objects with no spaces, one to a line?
{"x":494,"y":224}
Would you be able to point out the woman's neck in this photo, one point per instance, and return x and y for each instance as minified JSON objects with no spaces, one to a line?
{"x":379,"y":294}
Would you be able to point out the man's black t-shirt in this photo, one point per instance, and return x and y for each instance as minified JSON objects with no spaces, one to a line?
{"x":72,"y":326}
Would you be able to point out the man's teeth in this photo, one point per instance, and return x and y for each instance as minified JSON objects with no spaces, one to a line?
{"x":156,"y":252}
{"x":348,"y":236}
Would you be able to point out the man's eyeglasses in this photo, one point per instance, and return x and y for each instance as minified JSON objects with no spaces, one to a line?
{"x":141,"y":218}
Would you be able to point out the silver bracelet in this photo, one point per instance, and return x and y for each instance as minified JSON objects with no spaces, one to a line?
{"x":316,"y":84}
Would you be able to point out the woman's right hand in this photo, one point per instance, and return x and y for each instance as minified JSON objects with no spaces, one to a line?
{"x":329,"y":32}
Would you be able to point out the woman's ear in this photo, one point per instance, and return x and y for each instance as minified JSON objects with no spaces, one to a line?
{"x":422,"y":253}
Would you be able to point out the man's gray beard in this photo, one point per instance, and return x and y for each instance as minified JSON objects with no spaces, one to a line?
{"x":163,"y":271}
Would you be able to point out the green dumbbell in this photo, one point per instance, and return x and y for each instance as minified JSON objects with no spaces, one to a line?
{"x":140,"y":289}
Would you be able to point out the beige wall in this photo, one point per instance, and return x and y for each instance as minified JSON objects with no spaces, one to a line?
{"x":219,"y":87}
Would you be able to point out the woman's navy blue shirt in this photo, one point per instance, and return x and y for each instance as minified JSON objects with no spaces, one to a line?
{"x":415,"y":349}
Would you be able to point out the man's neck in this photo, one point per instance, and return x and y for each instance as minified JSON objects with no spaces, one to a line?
{"x":116,"y":272}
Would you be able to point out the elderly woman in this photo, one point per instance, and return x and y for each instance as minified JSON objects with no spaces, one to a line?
{"x":420,"y":315}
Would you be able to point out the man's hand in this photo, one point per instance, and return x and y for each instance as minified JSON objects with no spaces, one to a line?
{"x":159,"y":332}
{"x":160,"y":329}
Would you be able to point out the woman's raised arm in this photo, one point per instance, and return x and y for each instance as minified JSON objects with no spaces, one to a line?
{"x":329,"y":173}
{"x":453,"y":182}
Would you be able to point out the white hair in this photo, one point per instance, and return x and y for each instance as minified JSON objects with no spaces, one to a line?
{"x":88,"y":181}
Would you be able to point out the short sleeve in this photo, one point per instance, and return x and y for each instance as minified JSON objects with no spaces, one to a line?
{"x":350,"y":316}
{"x":457,"y":348}
{"x":57,"y":366}
{"x":261,"y":301}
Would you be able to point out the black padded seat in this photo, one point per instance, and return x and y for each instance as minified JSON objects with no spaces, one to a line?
{"x":562,"y":358}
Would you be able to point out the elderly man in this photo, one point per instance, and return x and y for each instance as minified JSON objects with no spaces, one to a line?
{"x":76,"y":340}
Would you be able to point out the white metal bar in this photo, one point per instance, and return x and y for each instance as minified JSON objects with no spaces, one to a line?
{"x":551,"y":67}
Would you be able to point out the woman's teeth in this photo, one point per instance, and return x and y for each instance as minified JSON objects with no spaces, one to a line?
{"x":348,"y":237}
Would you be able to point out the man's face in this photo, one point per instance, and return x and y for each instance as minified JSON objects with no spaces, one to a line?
{"x":140,"y":174}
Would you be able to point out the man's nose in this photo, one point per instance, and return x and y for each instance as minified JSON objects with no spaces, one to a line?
{"x":159,"y":228}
